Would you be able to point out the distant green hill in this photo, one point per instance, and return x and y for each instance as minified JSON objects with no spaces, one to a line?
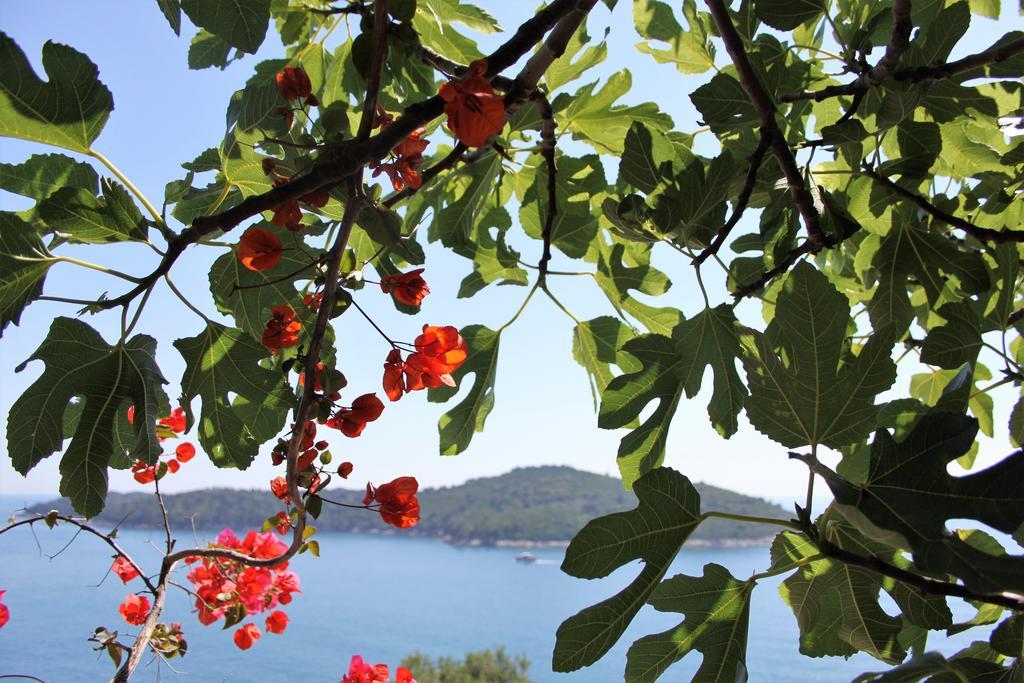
{"x":533,"y":504}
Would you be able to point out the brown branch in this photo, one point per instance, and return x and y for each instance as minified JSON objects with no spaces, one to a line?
{"x":320,"y":259}
{"x":453,"y":157}
{"x":975,"y":231}
{"x":922,"y":583}
{"x":85,"y":527}
{"x":450,"y":67}
{"x":765,"y":107}
{"x":787,"y":261}
{"x":898,"y":44}
{"x":549,"y":140}
{"x":740,"y":206}
{"x":380,"y":51}
{"x":1015,"y":317}
{"x":349,"y":156}
{"x":993,"y":55}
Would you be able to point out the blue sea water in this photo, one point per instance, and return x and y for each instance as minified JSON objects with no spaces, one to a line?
{"x":381,"y":597}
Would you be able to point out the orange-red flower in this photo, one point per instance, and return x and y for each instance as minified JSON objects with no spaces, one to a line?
{"x":282,"y":329}
{"x":475,"y":113}
{"x":293,"y":83}
{"x":439,"y":352}
{"x":361,"y":672}
{"x":134,"y":609}
{"x":277,"y":622}
{"x":352,"y":421}
{"x":288,"y":215}
{"x":175,"y":421}
{"x":185,"y":452}
{"x":279,"y":486}
{"x":408,"y":156}
{"x":143,"y":472}
{"x":5,"y":612}
{"x":394,"y":380}
{"x":345,"y":469}
{"x":398,"y":504}
{"x":403,"y":675}
{"x":317,"y":198}
{"x":409,"y":288}
{"x":124,"y":569}
{"x":246,"y":636}
{"x":259,"y":249}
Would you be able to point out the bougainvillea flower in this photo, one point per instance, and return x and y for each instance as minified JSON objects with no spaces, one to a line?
{"x":284,"y":524}
{"x":439,"y":352}
{"x":124,"y":569}
{"x":293,"y":83}
{"x":277,"y":622}
{"x":409,"y":288}
{"x":352,"y":421}
{"x":394,"y":379}
{"x":134,"y":609}
{"x":361,"y":672}
{"x":259,"y":249}
{"x":282,"y":329}
{"x":5,"y":612}
{"x":279,"y":487}
{"x":398,"y":504}
{"x":403,"y":675}
{"x":400,"y":173}
{"x":345,"y":469}
{"x":246,"y":636}
{"x":185,"y":452}
{"x":475,"y":113}
{"x":173,"y":466}
{"x":175,"y":421}
{"x":288,"y":215}
{"x":143,"y":473}
{"x":412,"y":147}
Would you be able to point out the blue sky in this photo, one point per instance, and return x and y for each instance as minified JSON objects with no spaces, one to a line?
{"x":166,"y":114}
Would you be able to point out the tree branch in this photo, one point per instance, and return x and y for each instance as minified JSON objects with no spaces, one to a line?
{"x":765,"y":107}
{"x":975,"y":231}
{"x":740,"y":206}
{"x":548,"y":143}
{"x":346,"y":158}
{"x":787,"y":261}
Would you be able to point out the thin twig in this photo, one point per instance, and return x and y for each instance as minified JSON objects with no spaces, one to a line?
{"x":975,"y":231}
{"x":741,"y":203}
{"x":548,"y":136}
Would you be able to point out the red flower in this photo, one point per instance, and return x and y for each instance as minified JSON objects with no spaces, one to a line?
{"x":173,"y":466}
{"x":259,"y":249}
{"x":394,"y":380}
{"x":408,"y":157}
{"x":313,"y":301}
{"x":409,"y":288}
{"x":134,"y":609}
{"x":143,"y":473}
{"x":293,"y":83}
{"x":361,"y":672}
{"x":176,"y":420}
{"x":439,"y":352}
{"x":246,"y":636}
{"x":185,"y":452}
{"x":398,"y":504}
{"x":403,"y":675}
{"x":284,"y":524}
{"x":279,"y":486}
{"x":282,"y":329}
{"x":412,"y":147}
{"x":352,"y":421}
{"x":475,"y":113}
{"x":5,"y":612}
{"x":277,"y":622}
{"x":345,"y":469}
{"x":124,"y":569}
{"x":288,"y":215}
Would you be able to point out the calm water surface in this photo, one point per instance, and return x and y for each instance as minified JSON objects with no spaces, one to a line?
{"x":381,"y":597}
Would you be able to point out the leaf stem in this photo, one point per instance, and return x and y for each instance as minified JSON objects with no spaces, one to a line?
{"x":789,"y":567}
{"x":185,"y":301}
{"x":97,"y":267}
{"x":161,"y":224}
{"x":521,"y":307}
{"x":560,"y":305}
{"x":789,"y":524}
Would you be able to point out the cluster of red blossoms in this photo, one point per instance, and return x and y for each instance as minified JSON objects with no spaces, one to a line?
{"x":134,"y":609}
{"x":171,"y":425}
{"x":406,"y":157}
{"x":282,"y":329}
{"x":232,"y":590}
{"x":439,"y":352}
{"x":409,"y":288}
{"x":396,"y":501}
{"x":361,"y":672}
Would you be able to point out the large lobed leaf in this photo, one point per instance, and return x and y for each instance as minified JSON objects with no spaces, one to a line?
{"x":457,"y":426}
{"x":67,"y":111}
{"x":24,"y":264}
{"x":814,"y":392}
{"x":106,"y":379}
{"x":667,"y":513}
{"x":221,"y":361}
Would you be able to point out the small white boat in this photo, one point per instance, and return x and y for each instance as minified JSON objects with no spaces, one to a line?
{"x":526,"y":557}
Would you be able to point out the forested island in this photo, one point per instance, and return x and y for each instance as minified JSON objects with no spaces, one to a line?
{"x":525,"y":506}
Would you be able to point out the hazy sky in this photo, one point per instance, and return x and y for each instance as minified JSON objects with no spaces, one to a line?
{"x":544,"y":414}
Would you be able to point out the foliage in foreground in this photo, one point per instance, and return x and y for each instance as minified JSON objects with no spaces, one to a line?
{"x":865,"y":181}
